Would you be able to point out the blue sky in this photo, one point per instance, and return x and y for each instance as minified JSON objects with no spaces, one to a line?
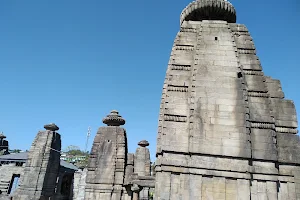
{"x":72,"y":61}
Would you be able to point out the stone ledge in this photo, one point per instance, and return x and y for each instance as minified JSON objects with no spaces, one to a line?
{"x":286,"y":130}
{"x":181,"y":67}
{"x":262,"y":125}
{"x":175,"y":118}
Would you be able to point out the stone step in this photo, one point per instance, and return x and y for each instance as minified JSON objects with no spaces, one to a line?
{"x":4,"y":186}
{"x":4,"y":189}
{"x":5,"y":182}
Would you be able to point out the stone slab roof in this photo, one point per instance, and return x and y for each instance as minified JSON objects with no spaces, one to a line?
{"x":68,"y":165}
{"x":22,"y":157}
{"x":15,"y":157}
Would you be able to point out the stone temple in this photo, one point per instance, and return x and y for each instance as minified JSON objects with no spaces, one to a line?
{"x":225,"y":129}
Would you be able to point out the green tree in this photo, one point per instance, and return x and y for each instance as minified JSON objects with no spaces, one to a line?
{"x":71,"y":148}
{"x":15,"y":150}
{"x":74,"y":154}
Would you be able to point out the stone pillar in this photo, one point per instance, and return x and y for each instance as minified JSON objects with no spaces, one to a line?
{"x":42,"y":166}
{"x":136,"y":190}
{"x":79,"y":184}
{"x":128,"y":176}
{"x":106,"y":168}
{"x":142,"y":165}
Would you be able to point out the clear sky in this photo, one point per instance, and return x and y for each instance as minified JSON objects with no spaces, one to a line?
{"x":72,"y":61}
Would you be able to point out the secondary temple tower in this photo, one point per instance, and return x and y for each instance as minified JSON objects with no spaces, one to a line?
{"x":225,"y":129}
{"x":106,"y":168}
{"x":42,"y":166}
{"x":3,"y":144}
{"x":142,"y":165}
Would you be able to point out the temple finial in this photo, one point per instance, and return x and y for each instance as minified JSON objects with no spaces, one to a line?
{"x":51,"y":127}
{"x":143,"y":143}
{"x":2,"y":136}
{"x":113,"y":119}
{"x":209,"y":10}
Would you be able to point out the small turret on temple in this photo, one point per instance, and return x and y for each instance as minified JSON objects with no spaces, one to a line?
{"x":3,"y":144}
{"x":142,"y":165}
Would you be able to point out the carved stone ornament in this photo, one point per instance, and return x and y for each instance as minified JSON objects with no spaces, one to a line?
{"x":113,"y":119}
{"x":51,"y":127}
{"x":143,"y":143}
{"x":2,"y":136}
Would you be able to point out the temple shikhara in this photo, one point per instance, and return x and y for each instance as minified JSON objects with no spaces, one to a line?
{"x":225,"y":131}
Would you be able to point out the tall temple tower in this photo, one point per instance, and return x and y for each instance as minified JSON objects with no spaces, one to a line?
{"x":107,"y":162}
{"x":225,"y":129}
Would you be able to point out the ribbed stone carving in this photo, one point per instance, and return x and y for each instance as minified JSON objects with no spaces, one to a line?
{"x":190,"y":30}
{"x":143,"y":143}
{"x":209,"y":10}
{"x":250,"y":72}
{"x":286,"y":130}
{"x":113,"y":119}
{"x":246,"y":51}
{"x":258,"y":94}
{"x":181,"y":67}
{"x":175,"y":118}
{"x":262,"y":125}
{"x":185,"y":47}
{"x":51,"y":127}
{"x":178,"y":88}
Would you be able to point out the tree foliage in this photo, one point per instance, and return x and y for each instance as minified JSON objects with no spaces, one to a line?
{"x":79,"y":157}
{"x":72,"y":148}
{"x":15,"y":150}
